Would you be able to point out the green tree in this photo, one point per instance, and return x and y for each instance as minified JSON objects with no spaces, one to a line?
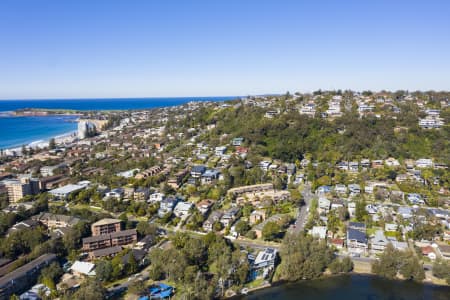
{"x":410,"y":267}
{"x":89,"y":290}
{"x":104,"y":270}
{"x":360,"y":210}
{"x":137,"y":287}
{"x":303,"y":257}
{"x":145,"y":228}
{"x":242,"y":227}
{"x":344,"y":265}
{"x":388,"y":263}
{"x":271,"y":231}
{"x":441,"y":269}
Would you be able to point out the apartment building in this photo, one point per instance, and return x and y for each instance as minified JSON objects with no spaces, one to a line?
{"x":105,"y":226}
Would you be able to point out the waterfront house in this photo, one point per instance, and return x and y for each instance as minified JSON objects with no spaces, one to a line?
{"x":379,"y":241}
{"x":356,"y":241}
{"x":263,"y":264}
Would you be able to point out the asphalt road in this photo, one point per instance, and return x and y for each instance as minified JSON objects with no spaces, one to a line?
{"x":302,"y":216}
{"x":124,"y":286}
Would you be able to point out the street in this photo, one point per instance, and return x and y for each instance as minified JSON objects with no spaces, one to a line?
{"x":303,"y":210}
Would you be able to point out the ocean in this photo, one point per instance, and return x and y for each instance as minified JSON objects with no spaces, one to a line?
{"x":18,"y":131}
{"x":103,"y":104}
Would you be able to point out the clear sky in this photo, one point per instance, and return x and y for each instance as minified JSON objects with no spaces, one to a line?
{"x":112,"y":48}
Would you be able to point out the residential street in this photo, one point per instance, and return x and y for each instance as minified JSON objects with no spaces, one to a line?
{"x":302,"y":216}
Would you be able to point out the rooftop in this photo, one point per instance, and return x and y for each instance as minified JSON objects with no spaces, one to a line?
{"x":106,"y":221}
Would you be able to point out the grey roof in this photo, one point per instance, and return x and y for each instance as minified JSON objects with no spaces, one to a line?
{"x":138,"y":255}
{"x":108,"y":236}
{"x":70,"y":220}
{"x":123,"y":233}
{"x":96,"y":238}
{"x":198,"y":169}
{"x":23,"y":270}
{"x":107,"y":251}
{"x":357,"y":225}
{"x":354,"y":234}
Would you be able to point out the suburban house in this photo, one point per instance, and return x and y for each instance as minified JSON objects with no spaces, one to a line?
{"x":356,"y":241}
{"x":264,"y":264}
{"x":324,"y":204}
{"x":167,"y":205}
{"x":390,"y":227}
{"x":219,"y":151}
{"x":176,"y":181}
{"x":182,"y":209}
{"x":204,"y":206}
{"x":229,"y":216}
{"x":319,"y":232}
{"x":237,"y":141}
{"x":443,"y":250}
{"x":213,"y":218}
{"x":379,"y":241}
{"x":210,"y":176}
{"x":156,"y":197}
{"x":356,"y":238}
{"x":354,"y":189}
{"x":81,"y":268}
{"x":257,"y":216}
{"x":340,"y":189}
{"x":197,"y":171}
{"x":115,"y":193}
{"x":141,"y":194}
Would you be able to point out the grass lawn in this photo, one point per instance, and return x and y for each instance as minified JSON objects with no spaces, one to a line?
{"x":390,"y":234}
{"x":371,"y":231}
{"x":255,"y":283}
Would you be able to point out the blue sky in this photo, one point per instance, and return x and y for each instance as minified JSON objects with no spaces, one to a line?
{"x":67,"y":49}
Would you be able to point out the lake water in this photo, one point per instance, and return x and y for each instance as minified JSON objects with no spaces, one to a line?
{"x":349,"y":287}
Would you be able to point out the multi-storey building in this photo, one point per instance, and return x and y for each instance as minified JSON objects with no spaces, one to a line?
{"x":105,"y":226}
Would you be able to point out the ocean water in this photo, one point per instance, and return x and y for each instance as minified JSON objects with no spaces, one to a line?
{"x":18,"y":131}
{"x":103,"y":104}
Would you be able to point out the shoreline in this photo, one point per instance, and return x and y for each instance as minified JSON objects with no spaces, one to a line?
{"x":43,"y":143}
{"x":326,"y":276}
{"x":61,"y":112}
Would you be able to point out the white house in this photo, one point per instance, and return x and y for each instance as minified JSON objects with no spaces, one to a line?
{"x":182,"y":209}
{"x":83,"y":268}
{"x":319,"y":232}
{"x":219,"y":151}
{"x":156,"y":197}
{"x":424,"y":163}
